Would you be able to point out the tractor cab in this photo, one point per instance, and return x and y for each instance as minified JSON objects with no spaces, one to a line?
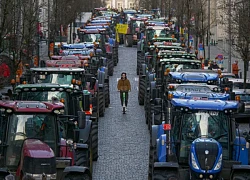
{"x":62,"y":76}
{"x":200,"y":139}
{"x":33,"y":140}
{"x":73,"y":99}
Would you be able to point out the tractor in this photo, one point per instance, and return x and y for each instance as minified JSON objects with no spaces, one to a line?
{"x":73,"y":99}
{"x":76,"y":76}
{"x":133,"y":32}
{"x":37,"y":140}
{"x":199,"y":139}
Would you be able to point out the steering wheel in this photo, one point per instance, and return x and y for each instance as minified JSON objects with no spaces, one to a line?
{"x":220,"y":136}
{"x":20,"y":134}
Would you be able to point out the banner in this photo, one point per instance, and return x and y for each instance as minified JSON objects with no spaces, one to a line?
{"x":122,"y":28}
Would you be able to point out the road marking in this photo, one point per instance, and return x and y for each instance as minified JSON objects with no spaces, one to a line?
{"x":136,"y":79}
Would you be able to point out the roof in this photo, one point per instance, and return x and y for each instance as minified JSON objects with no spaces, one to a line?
{"x":241,"y":91}
{"x":200,"y":95}
{"x":213,"y":105}
{"x":234,"y":80}
{"x":31,"y":106}
{"x":43,"y":86}
{"x":194,"y":76}
{"x":59,"y":69}
{"x":194,"y":85}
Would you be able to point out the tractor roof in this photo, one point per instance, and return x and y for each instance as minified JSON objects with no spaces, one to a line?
{"x":234,"y":80}
{"x":210,"y":105}
{"x":92,"y":31}
{"x":31,"y":106}
{"x":200,"y":95}
{"x":45,"y":86}
{"x":58,"y":70}
{"x":193,"y":85}
{"x":195,"y":76}
{"x":179,"y":60}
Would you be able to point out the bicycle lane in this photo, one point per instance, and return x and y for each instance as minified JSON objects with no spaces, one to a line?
{"x":123,"y":138}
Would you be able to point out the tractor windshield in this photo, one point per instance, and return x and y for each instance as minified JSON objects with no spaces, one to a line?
{"x":45,"y":96}
{"x":159,"y":33}
{"x":90,"y":37}
{"x":174,"y":67}
{"x":62,"y":79}
{"x":23,"y":126}
{"x":210,"y":124}
{"x":239,"y":85}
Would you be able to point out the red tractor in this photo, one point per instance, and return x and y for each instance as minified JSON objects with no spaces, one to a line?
{"x":37,"y":140}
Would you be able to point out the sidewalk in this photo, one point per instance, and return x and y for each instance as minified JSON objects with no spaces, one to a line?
{"x":219,"y":49}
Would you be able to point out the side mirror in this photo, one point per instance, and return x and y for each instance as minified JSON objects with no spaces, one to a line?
{"x":76,"y":134}
{"x":81,"y":119}
{"x":86,"y":102}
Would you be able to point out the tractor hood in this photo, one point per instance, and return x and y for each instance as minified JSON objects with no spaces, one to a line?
{"x":35,"y":148}
{"x":194,"y":77}
{"x":200,"y":95}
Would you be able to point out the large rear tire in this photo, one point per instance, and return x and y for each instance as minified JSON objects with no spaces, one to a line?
{"x":94,"y":135}
{"x":101,"y":104}
{"x":142,"y":87}
{"x":110,"y":67}
{"x":106,"y":90}
{"x":77,"y":176}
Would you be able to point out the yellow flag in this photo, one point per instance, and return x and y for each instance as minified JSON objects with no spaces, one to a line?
{"x":122,"y":28}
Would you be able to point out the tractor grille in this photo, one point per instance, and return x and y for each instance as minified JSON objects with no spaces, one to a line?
{"x":39,"y":165}
{"x":206,"y":161}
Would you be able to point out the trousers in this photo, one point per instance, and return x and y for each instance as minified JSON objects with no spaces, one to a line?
{"x":126,"y":98}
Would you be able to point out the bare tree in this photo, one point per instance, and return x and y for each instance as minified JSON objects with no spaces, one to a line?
{"x":240,"y":18}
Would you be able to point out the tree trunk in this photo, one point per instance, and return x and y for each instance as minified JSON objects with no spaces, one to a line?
{"x":245,"y":71}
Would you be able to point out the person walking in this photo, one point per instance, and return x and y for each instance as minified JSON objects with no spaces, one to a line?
{"x":235,"y":69}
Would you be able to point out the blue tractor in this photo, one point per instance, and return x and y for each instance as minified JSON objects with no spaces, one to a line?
{"x":199,"y":140}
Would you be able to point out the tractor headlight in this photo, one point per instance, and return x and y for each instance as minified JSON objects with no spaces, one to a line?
{"x":56,"y":111}
{"x":219,"y":163}
{"x":69,"y":142}
{"x":9,"y":110}
{"x":194,"y":163}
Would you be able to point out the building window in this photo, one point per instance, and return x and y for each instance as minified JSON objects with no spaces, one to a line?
{"x":131,"y":5}
{"x":119,"y":5}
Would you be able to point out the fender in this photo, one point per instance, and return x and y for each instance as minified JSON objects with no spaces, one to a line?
{"x":154,"y":135}
{"x":4,"y":172}
{"x":75,"y":169}
{"x":161,"y":149}
{"x":239,"y":168}
{"x":84,"y":133}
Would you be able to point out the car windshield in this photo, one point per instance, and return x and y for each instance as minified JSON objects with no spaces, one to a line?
{"x":193,"y":88}
{"x":159,"y":33}
{"x":23,"y":126}
{"x":239,"y":85}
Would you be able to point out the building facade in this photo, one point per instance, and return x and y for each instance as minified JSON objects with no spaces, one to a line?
{"x":125,"y":4}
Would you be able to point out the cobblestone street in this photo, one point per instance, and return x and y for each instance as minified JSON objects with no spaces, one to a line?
{"x":123,"y":138}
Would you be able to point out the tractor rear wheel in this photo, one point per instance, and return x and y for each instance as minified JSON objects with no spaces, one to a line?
{"x":142,"y":87}
{"x":110,"y":67}
{"x":138,"y":62}
{"x":94,"y":136}
{"x":164,"y":175}
{"x":77,"y":176}
{"x":101,"y":104}
{"x":83,"y":158}
{"x":106,"y":91}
